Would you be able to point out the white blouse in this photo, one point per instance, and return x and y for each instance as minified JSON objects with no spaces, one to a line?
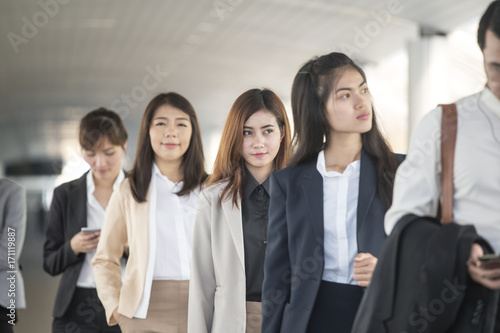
{"x":95,"y":219}
{"x":340,"y":205}
{"x":170,"y":230}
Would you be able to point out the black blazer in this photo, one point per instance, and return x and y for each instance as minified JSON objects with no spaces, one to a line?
{"x":421,"y":282}
{"x":68,"y":214}
{"x":294,"y":262}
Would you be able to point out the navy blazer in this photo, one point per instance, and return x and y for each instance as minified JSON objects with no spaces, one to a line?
{"x":294,"y":263}
{"x":68,"y":214}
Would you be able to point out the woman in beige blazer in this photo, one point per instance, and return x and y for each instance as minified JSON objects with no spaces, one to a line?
{"x":231,"y":223}
{"x":153,"y":214}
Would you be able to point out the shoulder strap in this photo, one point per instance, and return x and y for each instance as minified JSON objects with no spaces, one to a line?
{"x":448,"y":140}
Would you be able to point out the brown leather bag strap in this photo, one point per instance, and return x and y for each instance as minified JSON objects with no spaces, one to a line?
{"x":448,"y":140}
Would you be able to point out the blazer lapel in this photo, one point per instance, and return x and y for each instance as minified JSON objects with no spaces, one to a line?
{"x":77,"y":205}
{"x":235,"y":223}
{"x":312,"y":186}
{"x":367,"y":188}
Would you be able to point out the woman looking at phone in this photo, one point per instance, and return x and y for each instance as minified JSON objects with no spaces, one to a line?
{"x":231,"y":223}
{"x":82,"y":203}
{"x":326,"y":215}
{"x":153,"y":213}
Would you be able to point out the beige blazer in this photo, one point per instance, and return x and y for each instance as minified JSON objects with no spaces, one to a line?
{"x":217,"y":289}
{"x":126,"y":222}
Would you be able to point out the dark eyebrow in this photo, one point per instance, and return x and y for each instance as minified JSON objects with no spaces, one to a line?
{"x":349,"y":89}
{"x":265,"y":126}
{"x":165,"y":118}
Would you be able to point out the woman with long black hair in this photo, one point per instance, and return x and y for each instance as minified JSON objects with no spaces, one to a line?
{"x":326,"y":214}
{"x":152,"y":213}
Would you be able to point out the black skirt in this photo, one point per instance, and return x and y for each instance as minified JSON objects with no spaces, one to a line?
{"x":335,"y":308}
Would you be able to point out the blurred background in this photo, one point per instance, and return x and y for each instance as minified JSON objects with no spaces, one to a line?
{"x":60,"y":59}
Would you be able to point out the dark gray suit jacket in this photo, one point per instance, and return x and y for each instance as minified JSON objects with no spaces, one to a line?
{"x":421,"y":282}
{"x":12,"y":217}
{"x":68,"y":214}
{"x":295,"y":255}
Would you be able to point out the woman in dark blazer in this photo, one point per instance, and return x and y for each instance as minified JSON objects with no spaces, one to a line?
{"x":77,"y":204}
{"x":326,"y":214}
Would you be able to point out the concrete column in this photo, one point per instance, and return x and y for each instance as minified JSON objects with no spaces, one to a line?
{"x":428,"y":77}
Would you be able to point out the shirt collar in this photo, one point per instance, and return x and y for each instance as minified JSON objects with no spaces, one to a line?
{"x":91,"y":184}
{"x":321,"y":166}
{"x":252,"y":184}
{"x":491,"y":101}
{"x":157,"y":173}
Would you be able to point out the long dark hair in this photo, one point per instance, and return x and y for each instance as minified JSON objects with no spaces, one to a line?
{"x":311,"y":89}
{"x":192,"y":161}
{"x":229,"y":163}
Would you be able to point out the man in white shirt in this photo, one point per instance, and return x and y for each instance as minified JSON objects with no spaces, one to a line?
{"x":476,"y":180}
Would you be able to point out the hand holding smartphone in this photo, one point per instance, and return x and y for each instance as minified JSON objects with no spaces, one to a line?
{"x":90,"y":230}
{"x":86,"y":240}
{"x":490,"y":261}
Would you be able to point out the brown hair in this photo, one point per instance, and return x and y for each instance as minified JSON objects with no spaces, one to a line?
{"x":310,"y":91}
{"x":99,"y":124}
{"x":229,"y":163}
{"x":192,"y":161}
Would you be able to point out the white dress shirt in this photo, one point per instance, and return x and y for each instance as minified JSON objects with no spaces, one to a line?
{"x":476,"y":178}
{"x":340,"y":204}
{"x":95,"y":219}
{"x":170,"y":230}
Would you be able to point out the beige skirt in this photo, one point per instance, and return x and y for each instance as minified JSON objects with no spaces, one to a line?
{"x":254,"y":317}
{"x":167,"y":311}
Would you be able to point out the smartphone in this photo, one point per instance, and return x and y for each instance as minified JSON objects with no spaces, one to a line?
{"x":490,"y":261}
{"x":90,"y":230}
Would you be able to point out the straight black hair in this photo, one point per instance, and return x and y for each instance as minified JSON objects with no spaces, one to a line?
{"x":311,"y":89}
{"x":192,"y":162}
